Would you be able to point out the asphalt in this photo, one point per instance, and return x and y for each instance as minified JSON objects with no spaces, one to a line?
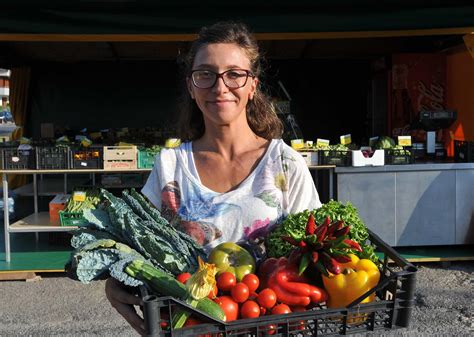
{"x":55,"y":305}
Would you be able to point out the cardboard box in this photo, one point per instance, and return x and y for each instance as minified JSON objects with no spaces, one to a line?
{"x":58,"y":204}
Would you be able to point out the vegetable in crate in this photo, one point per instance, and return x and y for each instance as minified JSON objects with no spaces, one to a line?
{"x":282,"y":276}
{"x":335,"y":210}
{"x":323,"y":246}
{"x":357,"y":277}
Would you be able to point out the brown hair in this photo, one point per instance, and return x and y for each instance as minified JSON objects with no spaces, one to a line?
{"x":261,"y":114}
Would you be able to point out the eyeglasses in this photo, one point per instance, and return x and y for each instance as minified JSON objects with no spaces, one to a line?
{"x":233,"y":78}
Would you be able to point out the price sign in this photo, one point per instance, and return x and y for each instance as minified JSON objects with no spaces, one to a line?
{"x":322,"y":142}
{"x":79,"y":196}
{"x":404,"y":140}
{"x":346,"y":139}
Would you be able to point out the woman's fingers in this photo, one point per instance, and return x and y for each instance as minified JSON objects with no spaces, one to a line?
{"x":124,"y":303}
{"x":129,"y":313}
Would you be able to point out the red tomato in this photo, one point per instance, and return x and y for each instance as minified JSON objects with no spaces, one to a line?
{"x":226,"y":281}
{"x":213,"y":293}
{"x":281,"y":309}
{"x":192,"y":321}
{"x":252,"y":281}
{"x":229,"y":306}
{"x":250,"y":309}
{"x":267,"y":298}
{"x":240,"y":292}
{"x":183,"y":277}
{"x":271,"y":329}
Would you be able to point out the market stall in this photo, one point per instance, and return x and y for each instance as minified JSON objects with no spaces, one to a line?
{"x":92,"y":65}
{"x":89,"y":68}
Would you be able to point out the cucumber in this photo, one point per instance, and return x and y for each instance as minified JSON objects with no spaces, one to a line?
{"x":166,"y":285}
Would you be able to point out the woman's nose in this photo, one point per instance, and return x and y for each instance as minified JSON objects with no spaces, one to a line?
{"x":220,"y":85}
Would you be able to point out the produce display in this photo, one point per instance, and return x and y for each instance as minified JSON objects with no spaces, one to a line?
{"x":316,"y":260}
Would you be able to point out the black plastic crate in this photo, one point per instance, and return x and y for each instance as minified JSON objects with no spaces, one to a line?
{"x":391,"y":309}
{"x":52,"y":157}
{"x":87,"y":158}
{"x":399,"y":156}
{"x":335,"y":157}
{"x":463,"y":151}
{"x":15,"y":159}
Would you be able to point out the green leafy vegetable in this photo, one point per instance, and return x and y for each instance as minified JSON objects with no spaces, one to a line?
{"x":335,"y":210}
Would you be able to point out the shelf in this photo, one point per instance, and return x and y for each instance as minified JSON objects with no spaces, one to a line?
{"x":50,"y":187}
{"x":38,"y":222}
{"x":73,"y":171}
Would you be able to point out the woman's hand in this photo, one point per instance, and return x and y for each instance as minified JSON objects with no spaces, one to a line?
{"x":124,"y":303}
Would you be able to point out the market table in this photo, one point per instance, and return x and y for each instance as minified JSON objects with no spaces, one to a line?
{"x":424,"y":204}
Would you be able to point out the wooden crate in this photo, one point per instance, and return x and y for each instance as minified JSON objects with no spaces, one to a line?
{"x":120,"y":157}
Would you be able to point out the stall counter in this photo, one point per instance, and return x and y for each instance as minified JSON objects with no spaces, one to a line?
{"x":413,"y":205}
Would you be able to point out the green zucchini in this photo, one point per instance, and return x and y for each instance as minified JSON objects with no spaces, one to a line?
{"x":166,"y":285}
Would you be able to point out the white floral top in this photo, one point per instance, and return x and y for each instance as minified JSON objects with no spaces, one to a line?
{"x":280,"y":184}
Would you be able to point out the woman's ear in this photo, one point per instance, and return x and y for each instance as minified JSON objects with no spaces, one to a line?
{"x":190,"y":87}
{"x":253,"y":88}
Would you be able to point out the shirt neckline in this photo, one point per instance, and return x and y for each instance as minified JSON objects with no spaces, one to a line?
{"x":191,"y":170}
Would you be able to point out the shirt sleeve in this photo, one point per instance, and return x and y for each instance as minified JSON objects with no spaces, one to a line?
{"x":152,"y":187}
{"x":302,"y":191}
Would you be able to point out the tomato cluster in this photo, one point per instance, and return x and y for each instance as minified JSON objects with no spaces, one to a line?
{"x":241,"y":300}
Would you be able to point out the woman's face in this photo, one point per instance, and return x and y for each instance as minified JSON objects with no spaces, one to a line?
{"x":220,"y":104}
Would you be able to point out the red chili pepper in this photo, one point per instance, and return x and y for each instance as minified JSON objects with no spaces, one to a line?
{"x":326,"y":222}
{"x":285,"y":296}
{"x":314,"y":257}
{"x":311,"y":225}
{"x":321,"y":232}
{"x":332,"y":228}
{"x":342,"y":258}
{"x":298,"y":288}
{"x":331,"y":264}
{"x":317,"y":294}
{"x":353,"y":244}
{"x":290,"y":240}
{"x":343,"y":231}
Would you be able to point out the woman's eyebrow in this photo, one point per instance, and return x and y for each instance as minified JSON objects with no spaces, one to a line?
{"x":210,"y":66}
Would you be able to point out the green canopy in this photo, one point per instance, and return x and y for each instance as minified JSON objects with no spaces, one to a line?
{"x":185,"y":16}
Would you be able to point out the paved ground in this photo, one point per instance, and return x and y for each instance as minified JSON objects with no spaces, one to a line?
{"x":56,"y":305}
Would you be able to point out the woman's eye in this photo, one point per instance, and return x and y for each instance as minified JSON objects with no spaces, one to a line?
{"x":235,"y":74}
{"x":205,"y":74}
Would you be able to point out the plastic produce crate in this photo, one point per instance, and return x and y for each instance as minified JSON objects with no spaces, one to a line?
{"x":146,"y":158}
{"x":15,"y":159}
{"x":72,"y":219}
{"x":391,"y":309}
{"x":52,"y":157}
{"x":463,"y":151}
{"x":399,"y":156}
{"x":87,"y":158}
{"x":335,"y":157}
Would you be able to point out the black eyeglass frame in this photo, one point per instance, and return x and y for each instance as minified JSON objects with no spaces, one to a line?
{"x":221,"y":75}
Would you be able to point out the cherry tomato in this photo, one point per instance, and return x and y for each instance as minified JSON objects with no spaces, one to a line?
{"x":183,"y":277}
{"x":271,"y":329}
{"x":213,"y":293}
{"x":250,"y":309}
{"x":226,"y":281}
{"x":252,"y":281}
{"x":267,"y":298}
{"x":281,"y":309}
{"x":240,"y":292}
{"x":229,"y":306}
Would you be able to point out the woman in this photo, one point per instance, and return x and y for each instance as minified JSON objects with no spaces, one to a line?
{"x":232,"y":178}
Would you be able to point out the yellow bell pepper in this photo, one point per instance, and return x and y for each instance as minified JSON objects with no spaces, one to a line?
{"x":357,"y":277}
